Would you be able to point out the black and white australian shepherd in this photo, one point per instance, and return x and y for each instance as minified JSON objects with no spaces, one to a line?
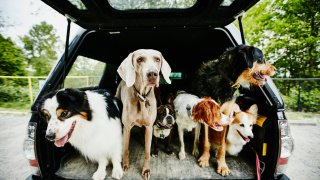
{"x":90,"y":122}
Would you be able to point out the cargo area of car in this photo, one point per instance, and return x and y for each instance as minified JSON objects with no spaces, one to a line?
{"x":184,"y":58}
{"x":165,"y":166}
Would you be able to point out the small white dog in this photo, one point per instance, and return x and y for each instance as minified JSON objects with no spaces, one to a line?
{"x":190,"y":112}
{"x":90,"y":122}
{"x":240,"y":130}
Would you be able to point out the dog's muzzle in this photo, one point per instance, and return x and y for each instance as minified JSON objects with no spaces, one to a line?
{"x":51,"y":136}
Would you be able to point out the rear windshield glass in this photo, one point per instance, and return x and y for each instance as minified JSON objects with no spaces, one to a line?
{"x":151,"y":4}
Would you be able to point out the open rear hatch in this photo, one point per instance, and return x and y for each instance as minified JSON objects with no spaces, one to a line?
{"x":119,"y":14}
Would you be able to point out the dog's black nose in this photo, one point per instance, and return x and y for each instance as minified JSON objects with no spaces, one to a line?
{"x":275,"y":69}
{"x":152,"y":74}
{"x":169,"y":119}
{"x":51,"y":136}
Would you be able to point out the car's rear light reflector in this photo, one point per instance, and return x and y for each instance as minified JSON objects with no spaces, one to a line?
{"x":286,"y":143}
{"x":28,"y":145}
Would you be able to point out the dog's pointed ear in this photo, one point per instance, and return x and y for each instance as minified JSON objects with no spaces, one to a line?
{"x":166,"y":70}
{"x":253,"y":110}
{"x":126,"y":71}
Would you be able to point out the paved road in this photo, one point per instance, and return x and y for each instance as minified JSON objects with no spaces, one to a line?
{"x":304,"y":164}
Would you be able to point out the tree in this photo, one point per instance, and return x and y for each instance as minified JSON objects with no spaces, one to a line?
{"x":288,"y":32}
{"x":12,"y":60}
{"x":40,"y":46}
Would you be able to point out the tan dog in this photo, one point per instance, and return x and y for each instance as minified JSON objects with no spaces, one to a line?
{"x":217,"y":140}
{"x":240,"y":130}
{"x":140,"y":73}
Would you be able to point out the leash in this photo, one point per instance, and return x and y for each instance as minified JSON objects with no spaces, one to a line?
{"x":259,"y":171}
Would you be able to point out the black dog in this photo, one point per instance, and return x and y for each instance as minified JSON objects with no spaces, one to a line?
{"x":238,"y":66}
{"x":162,"y":128}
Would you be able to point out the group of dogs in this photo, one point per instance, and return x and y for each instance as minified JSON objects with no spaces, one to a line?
{"x":99,"y":125}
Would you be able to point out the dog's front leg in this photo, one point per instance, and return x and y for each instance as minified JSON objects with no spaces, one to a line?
{"x":182,"y":153}
{"x":126,"y":140}
{"x":195,"y":151}
{"x":222,"y":168}
{"x":168,"y":147}
{"x":148,"y":139}
{"x":101,"y":173}
{"x":155,"y":146}
{"x":204,"y":159}
{"x":117,"y":171}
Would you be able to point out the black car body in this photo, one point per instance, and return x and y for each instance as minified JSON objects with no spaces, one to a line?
{"x":187,"y":37}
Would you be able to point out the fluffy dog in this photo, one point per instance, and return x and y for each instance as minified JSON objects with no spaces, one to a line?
{"x":241,"y":66}
{"x":140,"y":73}
{"x":191,"y":111}
{"x":90,"y":122}
{"x":162,"y":128}
{"x":238,"y":66}
{"x":240,"y":130}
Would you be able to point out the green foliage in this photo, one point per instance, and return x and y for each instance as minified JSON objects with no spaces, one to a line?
{"x":14,"y":94}
{"x":300,"y":95}
{"x":288,"y":33}
{"x":12,"y":61}
{"x":40,"y":46}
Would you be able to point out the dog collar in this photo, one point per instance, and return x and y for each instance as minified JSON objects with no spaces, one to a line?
{"x":142,"y":97}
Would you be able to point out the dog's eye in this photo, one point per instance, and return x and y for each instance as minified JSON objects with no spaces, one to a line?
{"x":242,"y":125}
{"x":157,"y":59}
{"x":65,"y":114}
{"x":140,"y":59}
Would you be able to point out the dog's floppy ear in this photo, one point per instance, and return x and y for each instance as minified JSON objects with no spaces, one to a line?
{"x":166,"y":70}
{"x":258,"y":55}
{"x":126,"y":71}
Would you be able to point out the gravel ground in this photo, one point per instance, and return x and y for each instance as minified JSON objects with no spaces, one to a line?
{"x":303,"y":164}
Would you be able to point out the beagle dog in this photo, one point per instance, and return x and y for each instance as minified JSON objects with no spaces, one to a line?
{"x":140,"y":73}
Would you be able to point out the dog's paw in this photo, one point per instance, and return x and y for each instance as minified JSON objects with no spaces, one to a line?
{"x":117,"y":173}
{"x":146,"y":174}
{"x":154,"y":154}
{"x":182,"y":155}
{"x":99,"y":175}
{"x":204,"y":161}
{"x":195,"y":152}
{"x":169,"y":151}
{"x":223,"y":170}
{"x":125,"y":167}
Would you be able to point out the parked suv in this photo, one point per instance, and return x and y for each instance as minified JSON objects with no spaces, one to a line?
{"x":187,"y":33}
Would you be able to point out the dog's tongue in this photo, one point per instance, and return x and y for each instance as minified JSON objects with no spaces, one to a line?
{"x":246,"y":140}
{"x":61,"y":142}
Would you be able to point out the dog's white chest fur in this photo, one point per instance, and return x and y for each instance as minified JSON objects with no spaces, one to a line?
{"x":183,"y":115}
{"x":160,"y":132}
{"x":234,"y":143}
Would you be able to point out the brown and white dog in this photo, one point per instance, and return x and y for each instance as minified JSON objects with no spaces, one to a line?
{"x":140,"y":73}
{"x":162,"y":128}
{"x":240,"y":130}
{"x":191,"y":111}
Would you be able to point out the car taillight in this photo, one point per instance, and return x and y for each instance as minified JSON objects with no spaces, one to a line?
{"x":286,"y":143}
{"x":28,"y":145}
